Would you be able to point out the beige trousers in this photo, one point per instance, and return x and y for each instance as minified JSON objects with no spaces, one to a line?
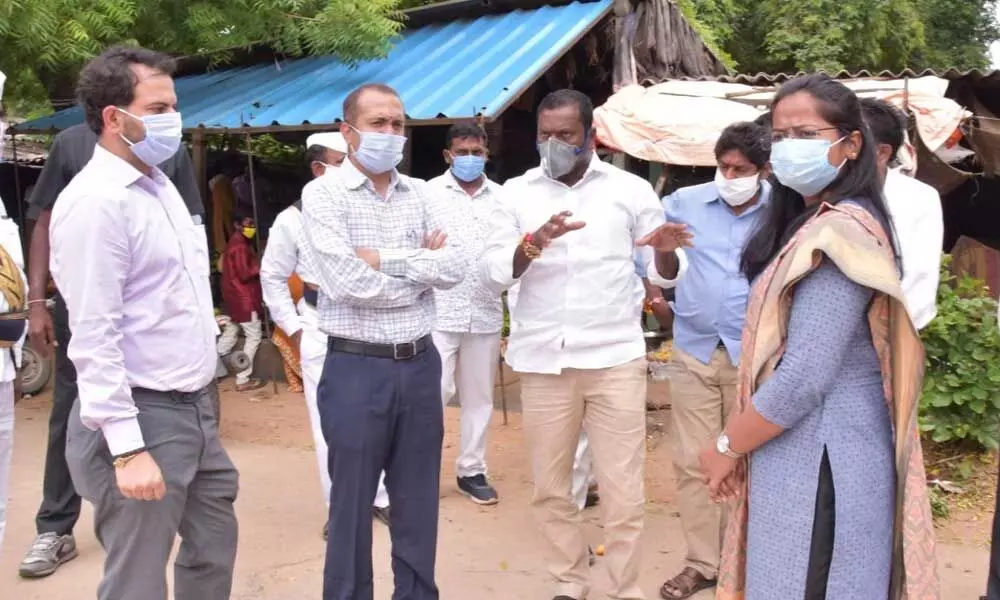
{"x":701,"y":397}
{"x":610,"y":404}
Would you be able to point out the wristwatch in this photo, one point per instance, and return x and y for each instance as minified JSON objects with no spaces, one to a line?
{"x":722,"y":445}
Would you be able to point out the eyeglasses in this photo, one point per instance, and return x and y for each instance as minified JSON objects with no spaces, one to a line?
{"x":798,"y":133}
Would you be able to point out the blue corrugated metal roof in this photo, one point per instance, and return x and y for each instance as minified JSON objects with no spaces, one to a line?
{"x":451,"y":70}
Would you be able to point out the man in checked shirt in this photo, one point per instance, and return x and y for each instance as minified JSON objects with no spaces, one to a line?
{"x":379,"y":243}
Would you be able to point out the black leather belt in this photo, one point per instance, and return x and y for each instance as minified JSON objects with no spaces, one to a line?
{"x":404,"y":351}
{"x":311,"y":296}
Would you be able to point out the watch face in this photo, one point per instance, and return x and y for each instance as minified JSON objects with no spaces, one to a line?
{"x":722,"y":444}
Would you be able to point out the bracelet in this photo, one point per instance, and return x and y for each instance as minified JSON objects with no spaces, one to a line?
{"x":123,"y":459}
{"x":37,"y":301}
{"x":528,"y":246}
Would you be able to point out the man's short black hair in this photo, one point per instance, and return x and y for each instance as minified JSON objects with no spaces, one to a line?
{"x":764,"y":120}
{"x":464,"y":130}
{"x":886,"y":122}
{"x":350,"y":107}
{"x":108,"y":80}
{"x":315,"y":153}
{"x":567,"y":97}
{"x":751,"y":139}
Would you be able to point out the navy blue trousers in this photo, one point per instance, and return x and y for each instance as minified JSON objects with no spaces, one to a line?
{"x":379,"y":413}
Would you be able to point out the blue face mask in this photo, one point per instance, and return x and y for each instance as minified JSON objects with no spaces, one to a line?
{"x":803,"y":165}
{"x":467,"y":168}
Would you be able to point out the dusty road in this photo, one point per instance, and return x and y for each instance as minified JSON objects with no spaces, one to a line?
{"x":483,"y":553}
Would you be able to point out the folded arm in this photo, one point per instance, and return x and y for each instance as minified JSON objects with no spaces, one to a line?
{"x":91,"y":258}
{"x":441,"y":269}
{"x":344,"y":276}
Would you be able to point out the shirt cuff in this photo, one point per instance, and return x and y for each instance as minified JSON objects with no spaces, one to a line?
{"x":393,"y":262}
{"x":654,"y":276}
{"x":123,"y":435}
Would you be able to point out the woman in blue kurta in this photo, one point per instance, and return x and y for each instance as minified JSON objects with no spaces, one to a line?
{"x":821,"y":414}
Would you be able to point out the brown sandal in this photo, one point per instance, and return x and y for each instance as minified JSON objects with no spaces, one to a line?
{"x":688,"y":583}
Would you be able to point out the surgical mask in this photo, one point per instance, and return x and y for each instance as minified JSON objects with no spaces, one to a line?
{"x":467,"y":168}
{"x":738,"y":191}
{"x":327,"y":167}
{"x":249,"y":232}
{"x":379,"y":152}
{"x":803,"y":165}
{"x":163,"y":137}
{"x":558,"y":157}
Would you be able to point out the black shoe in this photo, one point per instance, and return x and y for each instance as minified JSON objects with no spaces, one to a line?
{"x":382,"y":514}
{"x":326,"y":531}
{"x":593,"y":499}
{"x":478,"y":490}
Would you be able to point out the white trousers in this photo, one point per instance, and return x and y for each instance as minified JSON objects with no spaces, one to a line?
{"x":313,"y":355}
{"x":252,"y":333}
{"x":583,"y":471}
{"x":6,"y":447}
{"x":468,"y":365}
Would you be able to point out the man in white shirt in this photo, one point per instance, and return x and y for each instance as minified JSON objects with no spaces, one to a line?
{"x":469,"y":315}
{"x":915,"y":208}
{"x":567,"y":231}
{"x":324,"y":151}
{"x":13,"y":325}
{"x":132,"y":263}
{"x":379,"y":243}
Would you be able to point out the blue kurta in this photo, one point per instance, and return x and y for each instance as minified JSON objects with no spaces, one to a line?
{"x":827,"y":392}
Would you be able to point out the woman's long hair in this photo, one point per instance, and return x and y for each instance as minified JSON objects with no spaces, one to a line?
{"x":858,"y":179}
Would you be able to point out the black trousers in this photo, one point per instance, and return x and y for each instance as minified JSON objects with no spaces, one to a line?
{"x":821,"y":551}
{"x":993,"y":581}
{"x":378,"y":413}
{"x":60,"y":507}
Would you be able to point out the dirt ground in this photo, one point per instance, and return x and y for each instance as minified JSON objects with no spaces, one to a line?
{"x":483,"y":553}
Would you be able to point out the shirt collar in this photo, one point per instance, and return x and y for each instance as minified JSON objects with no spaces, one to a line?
{"x":451,"y":182}
{"x":118,"y":171}
{"x":355,"y":179}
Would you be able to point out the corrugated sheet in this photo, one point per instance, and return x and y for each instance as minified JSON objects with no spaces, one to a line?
{"x":768,"y":79}
{"x":450,"y":70}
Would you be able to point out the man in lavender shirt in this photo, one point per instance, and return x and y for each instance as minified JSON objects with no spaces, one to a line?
{"x":132,"y":264}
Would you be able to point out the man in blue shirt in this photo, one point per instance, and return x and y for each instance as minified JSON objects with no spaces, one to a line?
{"x":709,"y":311}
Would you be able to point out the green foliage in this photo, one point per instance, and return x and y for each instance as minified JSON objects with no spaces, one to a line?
{"x":961,"y":395}
{"x":53,"y":38}
{"x":264,"y":146}
{"x":808,"y":35}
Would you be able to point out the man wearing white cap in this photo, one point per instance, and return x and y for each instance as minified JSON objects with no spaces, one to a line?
{"x":282,"y":258}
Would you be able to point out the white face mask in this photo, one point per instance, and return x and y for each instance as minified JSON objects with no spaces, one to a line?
{"x":739,"y":191}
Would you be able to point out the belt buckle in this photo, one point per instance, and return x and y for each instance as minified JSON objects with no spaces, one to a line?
{"x":404,"y":351}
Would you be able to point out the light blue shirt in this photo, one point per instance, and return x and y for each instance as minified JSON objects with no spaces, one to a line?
{"x":711,"y":300}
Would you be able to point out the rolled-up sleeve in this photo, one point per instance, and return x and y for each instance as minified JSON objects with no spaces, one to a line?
{"x":496,"y":264}
{"x":441,"y":269}
{"x":90,"y":262}
{"x":827,"y":311}
{"x":344,"y":276}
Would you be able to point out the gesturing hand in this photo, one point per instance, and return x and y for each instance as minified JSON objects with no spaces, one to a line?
{"x":667,"y":238}
{"x":556,"y":227}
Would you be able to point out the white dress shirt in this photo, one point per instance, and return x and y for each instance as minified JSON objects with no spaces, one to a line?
{"x":915,"y":208}
{"x":341,"y":213}
{"x":470,"y":306}
{"x":132,"y":264}
{"x":579,"y":304}
{"x":281,"y":259}
{"x":10,"y":239}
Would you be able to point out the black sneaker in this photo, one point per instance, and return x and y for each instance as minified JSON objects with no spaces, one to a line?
{"x":382,"y":514}
{"x":478,"y":490}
